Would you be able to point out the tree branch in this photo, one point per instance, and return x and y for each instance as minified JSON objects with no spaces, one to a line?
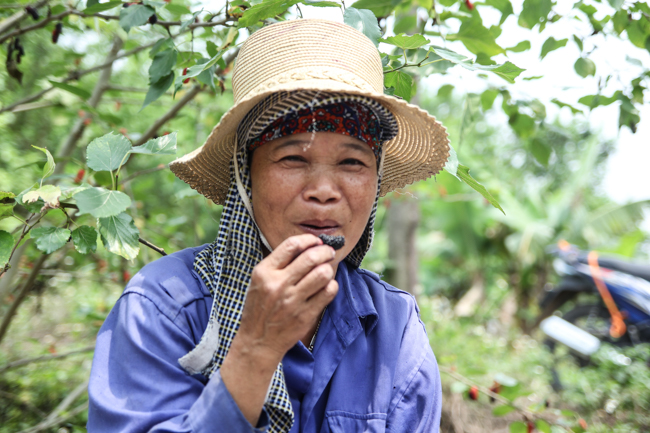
{"x":529,"y":415}
{"x":6,"y":320}
{"x":19,"y":16}
{"x":78,"y":129}
{"x":39,"y":25}
{"x":54,"y":418}
{"x":189,"y":96}
{"x":43,"y":358}
{"x":152,"y":246}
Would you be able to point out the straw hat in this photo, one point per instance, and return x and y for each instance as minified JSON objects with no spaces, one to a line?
{"x":313,"y":54}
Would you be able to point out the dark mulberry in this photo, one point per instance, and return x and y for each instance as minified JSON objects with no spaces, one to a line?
{"x":335,"y":242}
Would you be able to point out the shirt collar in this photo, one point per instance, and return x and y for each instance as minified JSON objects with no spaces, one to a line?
{"x":353,"y":308}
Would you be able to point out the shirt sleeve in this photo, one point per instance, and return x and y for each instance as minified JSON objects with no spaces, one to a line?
{"x":137,"y":385}
{"x":417,"y":406}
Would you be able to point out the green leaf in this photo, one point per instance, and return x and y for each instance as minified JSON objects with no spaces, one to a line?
{"x":585,"y":67}
{"x":507,"y":71}
{"x":542,"y":426}
{"x":101,"y":7}
{"x":401,"y":82}
{"x":207,"y":75}
{"x":108,"y":152}
{"x":185,"y":24}
{"x":211,"y":48}
{"x":50,"y":239}
{"x":518,"y":427}
{"x":120,"y":235}
{"x":158,"y":89}
{"x":264,"y":10}
{"x":161,"y":45}
{"x":101,"y":203}
{"x":364,"y":21}
{"x":628,"y":114}
{"x":177,"y":9}
{"x":578,"y":42}
{"x":49,"y":193}
{"x":165,"y":145}
{"x":502,"y":410}
{"x":406,"y":42}
{"x":534,"y":12}
{"x":405,"y":24}
{"x":135,"y":15}
{"x":380,"y":8}
{"x":321,"y":4}
{"x":551,"y":44}
{"x":477,"y":38}
{"x":451,"y":166}
{"x":48,"y":168}
{"x":593,"y":101}
{"x":83,"y":94}
{"x":520,"y":47}
{"x":6,"y":245}
{"x":154,"y":4}
{"x":637,"y":31}
{"x":195,"y":70}
{"x":7,"y":203}
{"x":487,"y":98}
{"x":85,"y":239}
{"x":503,"y":6}
{"x":620,"y":21}
{"x":463,"y":174}
{"x":162,"y":65}
{"x":561,"y":104}
{"x":541,"y":151}
{"x":523,"y":124}
{"x":70,"y":192}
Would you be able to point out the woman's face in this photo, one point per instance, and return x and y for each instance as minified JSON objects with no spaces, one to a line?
{"x":322,"y":183}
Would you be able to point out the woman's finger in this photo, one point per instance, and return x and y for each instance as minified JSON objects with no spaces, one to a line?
{"x":323,"y":297}
{"x":306,"y":261}
{"x":289,"y":249}
{"x":316,"y":279}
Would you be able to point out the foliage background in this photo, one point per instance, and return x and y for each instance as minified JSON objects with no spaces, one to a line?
{"x":540,"y":154}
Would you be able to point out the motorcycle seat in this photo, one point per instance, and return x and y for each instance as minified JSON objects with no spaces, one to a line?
{"x":636,"y":269}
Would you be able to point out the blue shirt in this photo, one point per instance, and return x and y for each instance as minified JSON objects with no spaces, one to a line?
{"x":372,"y":369}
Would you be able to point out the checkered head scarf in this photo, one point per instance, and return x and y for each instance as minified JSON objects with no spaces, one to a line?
{"x":226,"y":265}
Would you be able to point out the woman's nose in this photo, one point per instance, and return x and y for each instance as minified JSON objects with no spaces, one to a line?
{"x":322,"y":187}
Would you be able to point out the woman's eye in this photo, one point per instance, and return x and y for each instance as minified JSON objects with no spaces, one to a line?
{"x":292,"y":158}
{"x":352,"y":161}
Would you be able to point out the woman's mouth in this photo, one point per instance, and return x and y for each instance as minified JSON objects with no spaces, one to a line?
{"x":318,"y":227}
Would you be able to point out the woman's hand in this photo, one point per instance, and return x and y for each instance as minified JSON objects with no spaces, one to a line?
{"x":288,"y":291}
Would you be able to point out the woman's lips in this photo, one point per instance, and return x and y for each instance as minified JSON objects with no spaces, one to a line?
{"x":317,"y":227}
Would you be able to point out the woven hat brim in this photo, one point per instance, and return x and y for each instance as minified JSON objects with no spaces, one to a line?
{"x":419,"y":151}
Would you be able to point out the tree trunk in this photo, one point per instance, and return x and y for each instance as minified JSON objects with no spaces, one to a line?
{"x":403,"y":217}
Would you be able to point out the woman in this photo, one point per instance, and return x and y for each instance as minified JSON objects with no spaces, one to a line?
{"x":267,"y":328}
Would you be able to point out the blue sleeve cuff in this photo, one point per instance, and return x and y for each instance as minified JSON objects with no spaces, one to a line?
{"x":216,"y":405}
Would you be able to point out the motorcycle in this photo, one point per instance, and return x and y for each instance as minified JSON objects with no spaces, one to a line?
{"x":611,"y":303}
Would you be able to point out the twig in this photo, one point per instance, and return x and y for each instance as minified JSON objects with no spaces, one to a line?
{"x":57,"y":420}
{"x":6,"y":320}
{"x":143,"y":172}
{"x":26,"y":229}
{"x":43,"y":358}
{"x":152,"y":246}
{"x":39,"y":25}
{"x":19,"y":16}
{"x":486,"y":391}
{"x":75,"y":75}
{"x":26,"y":404}
{"x":54,"y":418}
{"x":78,"y":129}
